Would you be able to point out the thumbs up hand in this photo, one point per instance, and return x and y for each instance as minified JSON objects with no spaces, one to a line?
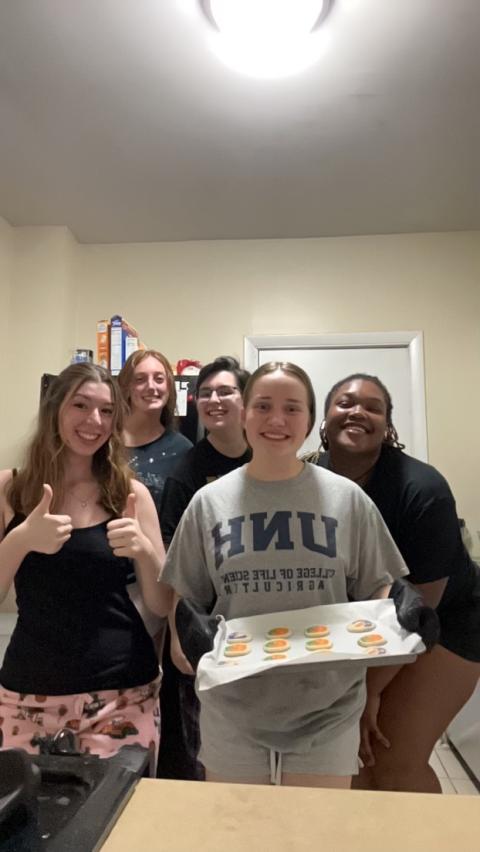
{"x":130,"y":510}
{"x":47,"y":533}
{"x":124,"y":534}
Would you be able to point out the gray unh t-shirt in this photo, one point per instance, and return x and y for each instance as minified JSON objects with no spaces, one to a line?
{"x":246,"y":547}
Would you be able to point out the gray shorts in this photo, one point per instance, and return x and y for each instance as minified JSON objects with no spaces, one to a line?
{"x":234,"y":758}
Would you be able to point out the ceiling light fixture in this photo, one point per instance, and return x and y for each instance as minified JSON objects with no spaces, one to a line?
{"x":266,"y":38}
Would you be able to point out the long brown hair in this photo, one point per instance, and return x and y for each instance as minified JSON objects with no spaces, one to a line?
{"x":45,"y":455}
{"x":290,"y":370}
{"x":125,"y":379}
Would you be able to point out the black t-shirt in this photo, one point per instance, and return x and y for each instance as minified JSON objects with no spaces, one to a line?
{"x":77,"y":629}
{"x":201,"y":465}
{"x":419,"y":510}
{"x":155,"y":461}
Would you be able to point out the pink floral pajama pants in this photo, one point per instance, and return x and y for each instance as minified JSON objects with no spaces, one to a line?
{"x":102,"y":721}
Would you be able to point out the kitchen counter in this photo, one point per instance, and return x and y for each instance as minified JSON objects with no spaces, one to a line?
{"x":181,"y":816}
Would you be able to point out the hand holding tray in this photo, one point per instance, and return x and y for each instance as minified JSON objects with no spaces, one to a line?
{"x":243,"y":646}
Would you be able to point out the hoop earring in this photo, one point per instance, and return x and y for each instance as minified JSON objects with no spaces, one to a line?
{"x":389,"y":436}
{"x":323,"y":435}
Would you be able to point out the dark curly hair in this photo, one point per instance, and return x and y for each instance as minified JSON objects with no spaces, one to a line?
{"x":391,"y":436}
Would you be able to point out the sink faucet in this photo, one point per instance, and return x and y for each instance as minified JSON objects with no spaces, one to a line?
{"x":65,"y":741}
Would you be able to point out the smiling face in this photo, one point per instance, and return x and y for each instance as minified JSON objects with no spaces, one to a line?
{"x":149,"y":387}
{"x":356,"y":420}
{"x":277,"y":416}
{"x":219,"y":403}
{"x":85,"y":418}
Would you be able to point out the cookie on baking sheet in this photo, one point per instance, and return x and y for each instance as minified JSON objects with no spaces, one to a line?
{"x":274,"y":645}
{"x":276,"y":657}
{"x":375,"y":652}
{"x":316,"y":631}
{"x":238,"y":636}
{"x":371,"y":640}
{"x":321,"y":644}
{"x":278,"y":633}
{"x":361,"y":625}
{"x":237,"y":649}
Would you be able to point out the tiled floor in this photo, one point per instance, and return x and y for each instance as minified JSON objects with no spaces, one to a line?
{"x":450,"y":773}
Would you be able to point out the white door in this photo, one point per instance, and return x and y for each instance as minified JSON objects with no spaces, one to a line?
{"x":395,"y":357}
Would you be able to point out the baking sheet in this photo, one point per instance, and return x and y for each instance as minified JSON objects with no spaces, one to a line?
{"x":402,"y":647}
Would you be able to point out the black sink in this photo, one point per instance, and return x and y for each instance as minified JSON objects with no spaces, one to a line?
{"x":64,"y":803}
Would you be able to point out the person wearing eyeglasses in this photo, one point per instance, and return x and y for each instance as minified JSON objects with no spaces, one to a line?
{"x":219,"y":403}
{"x":219,"y":391}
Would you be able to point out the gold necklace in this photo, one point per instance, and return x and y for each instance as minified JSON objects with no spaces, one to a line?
{"x":83,"y":503}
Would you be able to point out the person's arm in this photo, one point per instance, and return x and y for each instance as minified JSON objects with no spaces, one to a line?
{"x":374,"y":559}
{"x":429,"y":535}
{"x":136,"y":535}
{"x":375,"y":562}
{"x":178,"y":657}
{"x":175,"y":499}
{"x":186,"y":570}
{"x":40,"y":531}
{"x":381,"y":593}
{"x":415,"y":607}
{"x":427,"y":540}
{"x":432,"y":593}
{"x":377,"y":680}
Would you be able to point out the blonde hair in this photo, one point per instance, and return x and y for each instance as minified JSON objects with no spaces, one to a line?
{"x":125,"y":379}
{"x":45,"y":455}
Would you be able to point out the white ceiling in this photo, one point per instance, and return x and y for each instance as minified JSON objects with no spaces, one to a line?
{"x":118,"y":121}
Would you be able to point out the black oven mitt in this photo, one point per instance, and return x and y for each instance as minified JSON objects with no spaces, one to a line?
{"x":196,"y":630}
{"x":413,"y":614}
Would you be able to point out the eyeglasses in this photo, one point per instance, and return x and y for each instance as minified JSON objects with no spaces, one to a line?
{"x":222,"y":392}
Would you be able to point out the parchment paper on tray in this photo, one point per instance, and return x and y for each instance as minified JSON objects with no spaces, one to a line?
{"x":398,"y":646}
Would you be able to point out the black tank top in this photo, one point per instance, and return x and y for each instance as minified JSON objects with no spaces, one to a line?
{"x":77,"y":629}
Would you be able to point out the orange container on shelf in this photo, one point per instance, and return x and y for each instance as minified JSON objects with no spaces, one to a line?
{"x":103,"y":344}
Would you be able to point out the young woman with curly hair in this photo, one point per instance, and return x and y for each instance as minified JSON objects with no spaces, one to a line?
{"x":408,"y":707}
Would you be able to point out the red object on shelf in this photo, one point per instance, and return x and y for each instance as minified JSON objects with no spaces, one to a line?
{"x":188,"y":367}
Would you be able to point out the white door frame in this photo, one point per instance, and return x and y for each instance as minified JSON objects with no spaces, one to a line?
{"x":411,"y":340}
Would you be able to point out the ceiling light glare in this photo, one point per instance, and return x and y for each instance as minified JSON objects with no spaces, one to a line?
{"x":267,"y":38}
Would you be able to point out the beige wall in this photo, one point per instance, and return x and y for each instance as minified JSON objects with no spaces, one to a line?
{"x":6,"y":267}
{"x":200,"y":299}
{"x":39,"y":313}
{"x":36,"y":286}
{"x":41,"y":309}
{"x":6,"y":239}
